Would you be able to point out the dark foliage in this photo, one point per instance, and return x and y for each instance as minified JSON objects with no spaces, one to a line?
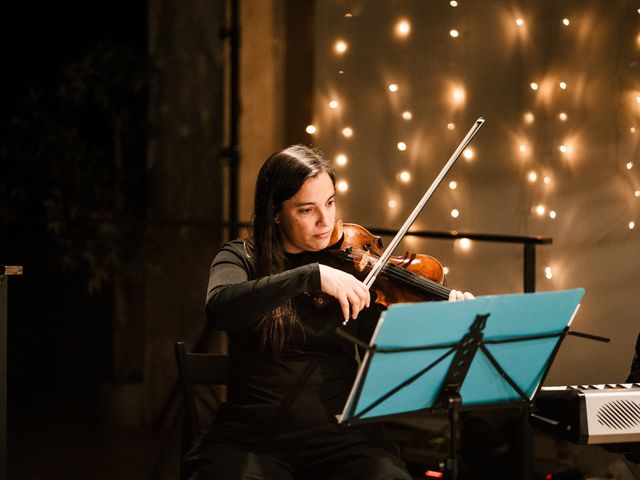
{"x":73,"y":156}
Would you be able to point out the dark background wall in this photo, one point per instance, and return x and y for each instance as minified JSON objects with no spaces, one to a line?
{"x":58,"y":182}
{"x":113,"y":198}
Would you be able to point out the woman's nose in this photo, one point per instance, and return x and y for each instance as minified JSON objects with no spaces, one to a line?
{"x":323,"y":219}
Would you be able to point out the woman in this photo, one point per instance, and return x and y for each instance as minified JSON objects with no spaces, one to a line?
{"x":290,"y":373}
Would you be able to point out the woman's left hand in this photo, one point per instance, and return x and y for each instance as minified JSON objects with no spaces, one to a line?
{"x":456,"y":295}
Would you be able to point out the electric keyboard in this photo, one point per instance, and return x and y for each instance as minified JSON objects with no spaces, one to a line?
{"x":591,"y":414}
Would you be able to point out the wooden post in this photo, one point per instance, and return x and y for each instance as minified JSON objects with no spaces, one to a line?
{"x":5,"y":271}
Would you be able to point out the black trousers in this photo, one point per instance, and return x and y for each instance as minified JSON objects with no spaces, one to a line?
{"x":329,"y":452}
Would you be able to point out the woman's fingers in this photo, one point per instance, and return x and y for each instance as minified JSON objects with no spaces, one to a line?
{"x":344,"y":306}
{"x":359,"y":299}
{"x":350,"y":292}
{"x":456,"y":295}
{"x":351,"y":303}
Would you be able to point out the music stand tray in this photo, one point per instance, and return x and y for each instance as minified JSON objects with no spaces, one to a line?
{"x":493,"y":350}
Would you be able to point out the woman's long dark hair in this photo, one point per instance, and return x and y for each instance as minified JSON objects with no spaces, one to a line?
{"x":279,"y":179}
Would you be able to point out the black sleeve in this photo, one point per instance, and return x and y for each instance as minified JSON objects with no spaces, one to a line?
{"x":234,"y":301}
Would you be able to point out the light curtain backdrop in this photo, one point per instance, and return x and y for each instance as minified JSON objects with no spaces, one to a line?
{"x":559,"y":86}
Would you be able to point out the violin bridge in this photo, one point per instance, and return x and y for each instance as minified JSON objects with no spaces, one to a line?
{"x":364,"y":261}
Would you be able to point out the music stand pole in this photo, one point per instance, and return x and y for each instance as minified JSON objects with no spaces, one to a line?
{"x":455,"y":403}
{"x":450,"y":392}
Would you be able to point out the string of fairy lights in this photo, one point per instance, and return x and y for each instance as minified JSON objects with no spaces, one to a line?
{"x":547,"y":90}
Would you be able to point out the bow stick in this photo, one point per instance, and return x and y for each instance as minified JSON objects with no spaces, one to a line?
{"x":377,"y":267}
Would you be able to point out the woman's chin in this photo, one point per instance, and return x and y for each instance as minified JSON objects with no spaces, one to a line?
{"x":319,"y":244}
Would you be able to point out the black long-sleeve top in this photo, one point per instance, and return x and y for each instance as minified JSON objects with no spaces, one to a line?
{"x":308,"y":383}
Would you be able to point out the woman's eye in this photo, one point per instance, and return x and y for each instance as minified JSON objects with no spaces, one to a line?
{"x":305,"y":210}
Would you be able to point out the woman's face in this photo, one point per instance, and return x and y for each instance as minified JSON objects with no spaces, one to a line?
{"x":306,"y":220}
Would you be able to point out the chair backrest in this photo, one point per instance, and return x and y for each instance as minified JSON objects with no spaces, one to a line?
{"x":197,"y":369}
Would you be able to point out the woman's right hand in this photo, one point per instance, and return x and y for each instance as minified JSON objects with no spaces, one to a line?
{"x":351,"y":293}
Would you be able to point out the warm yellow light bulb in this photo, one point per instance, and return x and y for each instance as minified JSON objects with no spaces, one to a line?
{"x":566,"y":22}
{"x":465,"y":243}
{"x":392,"y":203}
{"x":562,"y":116}
{"x":455,"y":213}
{"x":453,"y":184}
{"x":340,"y":47}
{"x":347,"y":132}
{"x":402,"y":146}
{"x":454,"y":33}
{"x":407,"y":115}
{"x":546,"y":180}
{"x":311,"y":129}
{"x":451,"y":126}
{"x":468,"y":153}
{"x":532,"y":176}
{"x":548,"y":273}
{"x":404,"y":176}
{"x":534,"y":86}
{"x":453,"y":3}
{"x":520,"y":22}
{"x":393,"y":87}
{"x":445,"y":270}
{"x":333,"y":104}
{"x":637,"y":193}
{"x":342,"y":186}
{"x":458,"y":95}
{"x":529,"y":118}
{"x":632,"y":225}
{"x":552,"y":214}
{"x":629,"y":165}
{"x":522,"y":148}
{"x":403,"y":28}
{"x":563,"y":85}
{"x":540,"y":210}
{"x":563,"y":148}
{"x":632,"y":129}
{"x":341,"y":159}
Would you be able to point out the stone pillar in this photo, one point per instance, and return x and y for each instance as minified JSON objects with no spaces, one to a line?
{"x":184,"y":181}
{"x":263,"y":95}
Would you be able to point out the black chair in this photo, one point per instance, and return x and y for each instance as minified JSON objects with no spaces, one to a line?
{"x":200,"y":375}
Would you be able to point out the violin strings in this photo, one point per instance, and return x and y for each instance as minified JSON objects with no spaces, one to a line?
{"x":408,"y":277}
{"x":414,"y":278}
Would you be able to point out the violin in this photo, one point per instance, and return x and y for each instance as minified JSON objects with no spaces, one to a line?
{"x":404,"y":278}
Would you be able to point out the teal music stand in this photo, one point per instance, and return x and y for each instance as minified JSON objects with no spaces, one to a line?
{"x":493,"y":350}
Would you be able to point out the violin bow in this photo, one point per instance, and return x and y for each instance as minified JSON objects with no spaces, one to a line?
{"x":377,"y":267}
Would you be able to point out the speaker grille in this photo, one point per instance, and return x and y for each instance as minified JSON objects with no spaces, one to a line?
{"x":619,"y":414}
